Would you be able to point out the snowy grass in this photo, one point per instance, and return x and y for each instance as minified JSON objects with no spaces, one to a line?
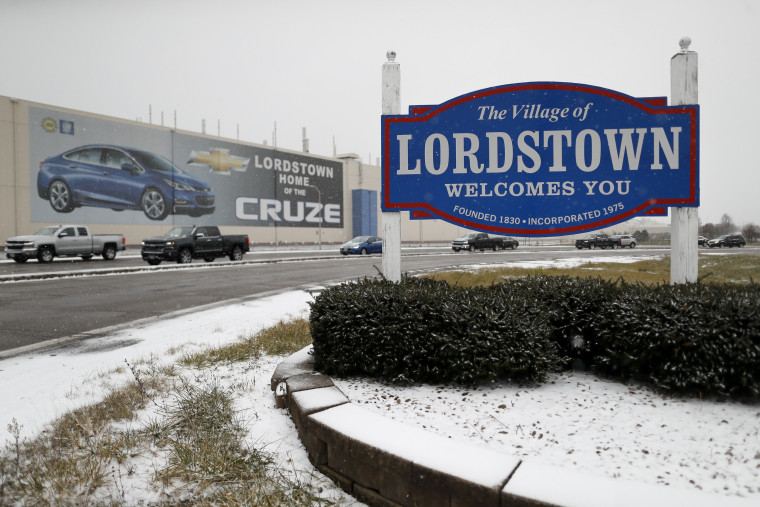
{"x":713,"y":268}
{"x":178,"y":430}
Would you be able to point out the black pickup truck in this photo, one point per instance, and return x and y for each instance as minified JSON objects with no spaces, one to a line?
{"x":482,"y":241}
{"x":183,"y":244}
{"x":597,"y":241}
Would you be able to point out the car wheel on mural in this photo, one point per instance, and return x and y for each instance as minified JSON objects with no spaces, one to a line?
{"x":153,"y":204}
{"x":119,"y":178}
{"x":59,"y":195}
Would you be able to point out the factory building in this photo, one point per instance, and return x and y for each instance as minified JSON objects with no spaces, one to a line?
{"x":118,"y":176}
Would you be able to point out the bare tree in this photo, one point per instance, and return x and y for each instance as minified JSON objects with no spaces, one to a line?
{"x":751,"y":232}
{"x":726,"y":225}
{"x":709,"y":230}
{"x":641,"y":236}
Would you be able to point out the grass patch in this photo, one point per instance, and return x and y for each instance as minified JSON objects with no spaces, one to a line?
{"x":195,"y":439}
{"x":283,"y":338}
{"x":76,"y":455}
{"x":207,"y":459}
{"x":713,"y":269}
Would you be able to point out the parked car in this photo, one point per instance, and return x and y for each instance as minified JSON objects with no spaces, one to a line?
{"x":482,"y":241}
{"x":597,"y":241}
{"x":183,"y":244}
{"x":63,"y":241}
{"x":121,"y":178}
{"x":727,"y":240}
{"x":509,"y":243}
{"x":702,"y":241}
{"x":362,"y":245}
{"x":625,"y":240}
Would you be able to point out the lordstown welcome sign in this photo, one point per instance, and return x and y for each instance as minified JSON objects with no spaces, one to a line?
{"x":541,"y":159}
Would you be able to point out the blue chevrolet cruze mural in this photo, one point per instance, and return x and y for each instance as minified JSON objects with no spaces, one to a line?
{"x":120,"y":178}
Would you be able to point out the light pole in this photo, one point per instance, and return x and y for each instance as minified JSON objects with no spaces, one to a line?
{"x":319,"y":197}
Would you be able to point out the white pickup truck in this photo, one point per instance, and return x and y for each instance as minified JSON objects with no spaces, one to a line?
{"x":63,"y":241}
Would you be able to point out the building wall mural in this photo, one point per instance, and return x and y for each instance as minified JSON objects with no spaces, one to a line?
{"x":93,"y":170}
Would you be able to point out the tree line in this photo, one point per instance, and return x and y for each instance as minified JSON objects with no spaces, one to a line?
{"x":750,"y":231}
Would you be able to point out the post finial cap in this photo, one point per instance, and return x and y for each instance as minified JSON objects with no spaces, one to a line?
{"x":391,"y":55}
{"x":685,"y":42}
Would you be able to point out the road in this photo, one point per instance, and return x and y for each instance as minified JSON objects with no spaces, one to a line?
{"x":44,"y":305}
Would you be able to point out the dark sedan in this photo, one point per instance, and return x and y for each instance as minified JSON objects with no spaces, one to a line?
{"x":120,"y":178}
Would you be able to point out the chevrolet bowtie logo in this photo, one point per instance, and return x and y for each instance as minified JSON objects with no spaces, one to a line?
{"x":219,"y":160}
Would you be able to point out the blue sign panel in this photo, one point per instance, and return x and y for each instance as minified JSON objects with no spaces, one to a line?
{"x":541,"y":159}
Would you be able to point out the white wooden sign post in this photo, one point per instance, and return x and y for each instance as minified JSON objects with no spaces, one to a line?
{"x":391,"y":219}
{"x":684,"y":222}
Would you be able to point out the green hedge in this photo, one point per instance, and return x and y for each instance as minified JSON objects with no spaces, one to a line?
{"x":421,"y":330}
{"x":570,"y":307}
{"x":684,"y":338}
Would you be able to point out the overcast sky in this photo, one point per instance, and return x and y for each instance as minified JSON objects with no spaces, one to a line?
{"x":317,"y":64}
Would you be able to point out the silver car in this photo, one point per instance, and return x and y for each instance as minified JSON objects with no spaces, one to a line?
{"x":626,"y":240}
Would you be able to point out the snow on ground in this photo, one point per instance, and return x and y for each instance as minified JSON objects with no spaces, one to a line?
{"x":589,"y":424}
{"x":574,"y":420}
{"x":39,"y":386}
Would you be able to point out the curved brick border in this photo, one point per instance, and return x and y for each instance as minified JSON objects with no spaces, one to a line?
{"x":383,"y":462}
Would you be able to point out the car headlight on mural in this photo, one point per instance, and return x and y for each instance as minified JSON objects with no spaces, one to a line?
{"x":179,"y":186}
{"x":108,"y":176}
